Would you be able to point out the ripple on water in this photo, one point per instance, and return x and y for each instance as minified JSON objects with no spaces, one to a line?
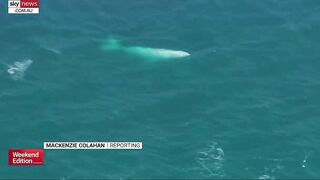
{"x":211,"y":161}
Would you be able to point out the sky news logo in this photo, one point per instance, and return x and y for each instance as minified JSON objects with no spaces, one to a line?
{"x":23,"y":6}
{"x":23,"y":157}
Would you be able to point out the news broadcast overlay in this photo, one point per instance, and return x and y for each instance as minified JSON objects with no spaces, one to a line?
{"x":23,"y":6}
{"x":35,"y":157}
{"x":25,"y":157}
{"x":93,"y":145}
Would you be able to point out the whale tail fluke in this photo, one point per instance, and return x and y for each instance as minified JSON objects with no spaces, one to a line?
{"x":111,"y":44}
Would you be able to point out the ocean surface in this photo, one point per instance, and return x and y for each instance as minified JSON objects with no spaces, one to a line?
{"x":245,"y":104}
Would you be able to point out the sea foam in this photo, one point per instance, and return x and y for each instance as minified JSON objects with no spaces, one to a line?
{"x":18,"y":68}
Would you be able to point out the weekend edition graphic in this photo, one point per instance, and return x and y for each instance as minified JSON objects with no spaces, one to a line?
{"x":23,"y":6}
{"x":25,"y":157}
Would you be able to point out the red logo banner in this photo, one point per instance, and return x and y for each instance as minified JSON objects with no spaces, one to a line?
{"x":22,"y":157}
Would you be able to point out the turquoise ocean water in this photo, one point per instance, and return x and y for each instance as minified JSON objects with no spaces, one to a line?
{"x":245,"y":104}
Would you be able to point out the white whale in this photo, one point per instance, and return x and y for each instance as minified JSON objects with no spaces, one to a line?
{"x":144,"y":52}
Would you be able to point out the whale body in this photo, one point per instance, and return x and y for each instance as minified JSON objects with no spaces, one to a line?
{"x":144,"y":52}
